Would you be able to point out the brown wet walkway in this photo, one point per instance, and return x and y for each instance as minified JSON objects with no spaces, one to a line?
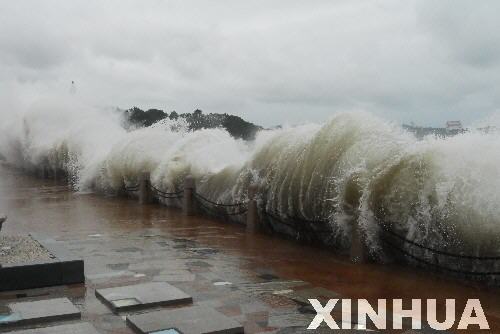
{"x":123,"y":243}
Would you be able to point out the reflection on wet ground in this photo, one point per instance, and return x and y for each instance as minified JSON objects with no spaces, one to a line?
{"x":261,"y":281}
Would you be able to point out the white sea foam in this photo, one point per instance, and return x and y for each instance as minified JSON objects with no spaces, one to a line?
{"x":355,"y":167}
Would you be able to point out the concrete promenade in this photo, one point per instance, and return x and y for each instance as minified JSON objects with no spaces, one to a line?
{"x":259,"y":281}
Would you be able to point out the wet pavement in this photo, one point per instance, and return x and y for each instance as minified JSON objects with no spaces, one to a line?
{"x":262,"y":282}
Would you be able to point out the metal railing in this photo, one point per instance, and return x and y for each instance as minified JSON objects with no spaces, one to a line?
{"x":321,"y":229}
{"x":167,"y":195}
{"x":221,"y":208}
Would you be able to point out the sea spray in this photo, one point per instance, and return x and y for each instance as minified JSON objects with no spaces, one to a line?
{"x":353,"y":169}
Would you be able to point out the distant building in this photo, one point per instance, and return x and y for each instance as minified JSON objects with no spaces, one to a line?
{"x":489,"y":129}
{"x":421,"y":132}
{"x":454,"y":126}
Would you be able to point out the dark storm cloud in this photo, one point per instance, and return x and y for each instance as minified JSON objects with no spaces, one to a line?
{"x":270,"y":61}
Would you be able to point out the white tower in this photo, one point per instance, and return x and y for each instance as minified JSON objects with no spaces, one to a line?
{"x":72,"y":89}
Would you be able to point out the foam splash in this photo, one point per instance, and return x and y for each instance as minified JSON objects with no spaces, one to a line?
{"x":353,"y":168}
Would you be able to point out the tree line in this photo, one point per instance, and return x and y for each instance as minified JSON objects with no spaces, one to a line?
{"x":236,"y":126}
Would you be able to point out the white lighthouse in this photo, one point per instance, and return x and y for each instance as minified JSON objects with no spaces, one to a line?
{"x":72,"y":89}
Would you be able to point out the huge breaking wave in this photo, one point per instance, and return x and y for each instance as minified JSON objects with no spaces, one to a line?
{"x":355,"y":168}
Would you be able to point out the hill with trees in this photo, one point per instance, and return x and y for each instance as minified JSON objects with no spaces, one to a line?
{"x":236,"y":126}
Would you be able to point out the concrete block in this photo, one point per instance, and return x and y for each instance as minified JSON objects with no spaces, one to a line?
{"x":142,"y":296}
{"x":192,"y":320}
{"x":65,"y":268}
{"x":35,"y":312}
{"x":80,"y":328}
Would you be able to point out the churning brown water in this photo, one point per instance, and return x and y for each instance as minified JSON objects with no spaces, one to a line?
{"x":51,"y":208}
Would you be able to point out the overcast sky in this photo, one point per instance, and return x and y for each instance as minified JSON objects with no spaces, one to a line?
{"x":269,"y":61}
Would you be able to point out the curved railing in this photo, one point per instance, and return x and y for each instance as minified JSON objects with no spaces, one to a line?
{"x":216,"y":208}
{"x":310,"y":229}
{"x":387,"y":234}
{"x":167,"y":195}
{"x":306,"y":229}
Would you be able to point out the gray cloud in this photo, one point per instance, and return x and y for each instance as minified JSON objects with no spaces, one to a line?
{"x":467,"y":30}
{"x":269,"y":61}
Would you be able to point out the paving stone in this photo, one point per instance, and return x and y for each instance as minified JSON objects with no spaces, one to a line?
{"x":280,"y":318}
{"x":167,"y":331}
{"x":128,"y":250}
{"x":175,"y":276}
{"x":141,"y":296}
{"x":425,"y":330}
{"x":118,"y":266}
{"x":230,"y":310}
{"x":277,"y":301}
{"x":254,"y":306}
{"x":302,"y":296}
{"x":82,"y":328}
{"x":321,"y":330}
{"x":270,"y":287}
{"x":268,"y":277}
{"x":158,"y":264}
{"x":222,"y":283}
{"x":201,"y":264}
{"x":34,"y":312}
{"x":105,"y":276}
{"x":192,"y":320}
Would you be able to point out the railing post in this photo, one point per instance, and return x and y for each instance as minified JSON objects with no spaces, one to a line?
{"x":122,"y":190}
{"x":253,"y":222}
{"x":2,"y":220}
{"x":145,"y":194}
{"x":43,"y":172}
{"x":188,"y":205}
{"x":358,"y":252}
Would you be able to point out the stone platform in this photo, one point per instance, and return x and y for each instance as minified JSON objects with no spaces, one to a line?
{"x":16,"y":249}
{"x":141,"y":296}
{"x":35,"y":312}
{"x":54,"y":265}
{"x":79,"y":328}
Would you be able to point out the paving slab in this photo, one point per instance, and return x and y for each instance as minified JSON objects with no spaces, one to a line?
{"x":35,"y":312}
{"x":322,"y":330}
{"x":80,"y":328}
{"x":175,"y":276}
{"x":302,"y":296}
{"x":426,"y":330}
{"x":186,"y":320}
{"x":141,"y":296}
{"x":271,"y":287}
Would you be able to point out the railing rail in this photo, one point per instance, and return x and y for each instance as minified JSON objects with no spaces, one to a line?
{"x":309,"y":229}
{"x":167,"y":195}
{"x":203,"y":198}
